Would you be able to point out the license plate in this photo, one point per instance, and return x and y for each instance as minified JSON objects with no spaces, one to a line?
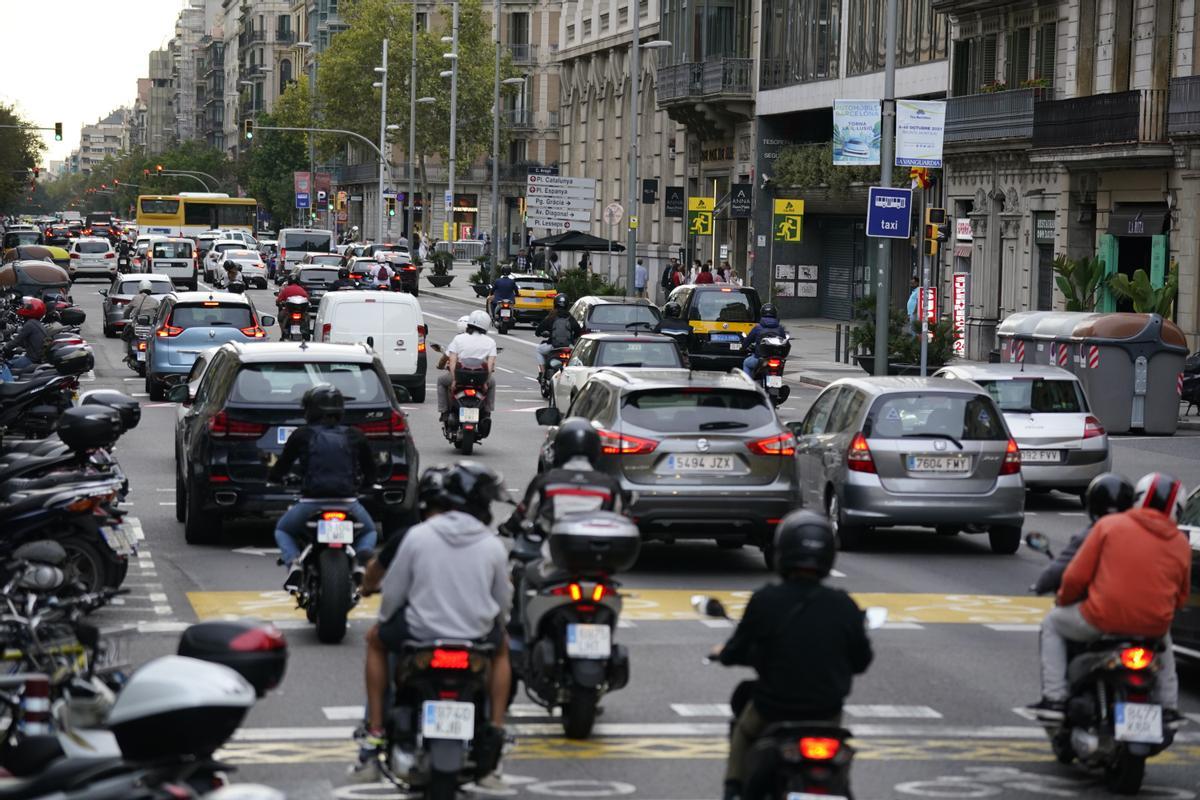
{"x":140,"y":355}
{"x":810,"y":796}
{"x":119,"y":539}
{"x":335,"y":531}
{"x":446,"y":719}
{"x":1041,"y":456}
{"x":468,"y":415}
{"x":1138,"y":722}
{"x":726,"y":337}
{"x":294,"y":329}
{"x":699,"y":463}
{"x":589,"y":641}
{"x":282,"y":433}
{"x":939,"y":463}
{"x":774,"y":381}
{"x":506,"y":312}
{"x":735,"y":346}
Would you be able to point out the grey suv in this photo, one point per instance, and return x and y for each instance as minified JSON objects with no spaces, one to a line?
{"x":704,"y":453}
{"x":923,"y":452}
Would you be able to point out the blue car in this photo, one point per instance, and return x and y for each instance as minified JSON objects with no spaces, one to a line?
{"x":188,"y":323}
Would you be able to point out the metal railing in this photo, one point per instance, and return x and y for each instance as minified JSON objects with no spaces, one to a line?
{"x":1117,"y":118}
{"x":518,"y":118}
{"x":1183,"y":110}
{"x":523,"y":53}
{"x":987,"y":117}
{"x":776,"y":72}
{"x":285,"y":36}
{"x":727,"y":77}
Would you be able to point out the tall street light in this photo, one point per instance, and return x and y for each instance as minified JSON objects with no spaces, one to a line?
{"x":452,"y":57}
{"x":635,"y":86}
{"x":412,"y":154}
{"x":304,"y":47}
{"x":382,"y":84}
{"x":496,"y":149}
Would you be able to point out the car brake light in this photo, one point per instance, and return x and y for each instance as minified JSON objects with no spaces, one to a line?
{"x":621,"y":444}
{"x":819,"y":748}
{"x":110,"y":255}
{"x":256,"y":640}
{"x":325,"y":331}
{"x":168,"y":330}
{"x":117,"y":301}
{"x":220,"y":425}
{"x":1136,"y":657}
{"x":254,"y":332}
{"x":782,"y":445}
{"x":421,"y":331}
{"x":382,"y":429}
{"x":1092,"y":428}
{"x":1012,"y":459}
{"x":450,"y":659}
{"x":75,"y":255}
{"x":858,"y":458}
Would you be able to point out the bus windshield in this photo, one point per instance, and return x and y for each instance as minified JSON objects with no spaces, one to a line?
{"x":167,"y":206}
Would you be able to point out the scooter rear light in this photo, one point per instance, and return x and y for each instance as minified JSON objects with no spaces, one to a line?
{"x":469,"y":392}
{"x":297,"y":317}
{"x":1136,"y":658}
{"x":450,"y":659}
{"x":858,"y":459}
{"x":819,"y":748}
{"x":255,"y":640}
{"x":576,"y":591}
{"x":1012,"y":459}
{"x":598,"y":593}
{"x":774,"y":363}
{"x":333,"y":515}
{"x":141,"y":345}
{"x":83,"y":504}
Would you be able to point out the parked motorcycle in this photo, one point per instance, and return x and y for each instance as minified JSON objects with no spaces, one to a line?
{"x":1110,"y":722}
{"x":468,"y":420}
{"x":293,"y":314}
{"x":503,"y":315}
{"x":555,"y":361}
{"x":566,"y":613}
{"x":772,"y":352}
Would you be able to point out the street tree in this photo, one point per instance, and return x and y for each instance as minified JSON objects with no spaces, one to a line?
{"x":20,"y":151}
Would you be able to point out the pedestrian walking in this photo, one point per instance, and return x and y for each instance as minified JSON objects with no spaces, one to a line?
{"x":640,"y":276}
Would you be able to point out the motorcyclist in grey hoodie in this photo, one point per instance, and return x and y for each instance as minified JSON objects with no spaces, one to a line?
{"x":448,"y":579}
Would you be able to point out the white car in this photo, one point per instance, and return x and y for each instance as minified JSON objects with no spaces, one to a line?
{"x":631,"y":352}
{"x":215,"y":257}
{"x":254,"y":271}
{"x":92,"y":255}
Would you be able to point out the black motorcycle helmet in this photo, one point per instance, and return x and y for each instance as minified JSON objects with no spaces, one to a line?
{"x":804,"y":542}
{"x":561,"y":302}
{"x":506,"y":270}
{"x":576,"y":437}
{"x":344,"y":273}
{"x":672,"y":310}
{"x":431,"y":490}
{"x":323,"y":403}
{"x":768,"y":310}
{"x":466,"y":486}
{"x":236,"y":287}
{"x":1108,"y":493}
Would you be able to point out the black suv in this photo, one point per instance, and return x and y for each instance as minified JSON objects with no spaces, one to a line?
{"x":246,"y":405}
{"x":606,"y":314}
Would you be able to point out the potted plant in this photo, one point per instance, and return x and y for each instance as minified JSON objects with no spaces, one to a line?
{"x":904,"y":342}
{"x":439,"y":271}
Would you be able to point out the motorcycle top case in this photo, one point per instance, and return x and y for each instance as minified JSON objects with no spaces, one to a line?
{"x":594,"y":542}
{"x":89,"y":427}
{"x":72,"y":315}
{"x":129,"y":408}
{"x":175,"y":706}
{"x":255,"y":650}
{"x":773,"y":347}
{"x":72,"y":360}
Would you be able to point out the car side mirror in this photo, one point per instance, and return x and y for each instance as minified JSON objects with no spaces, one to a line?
{"x":403,"y":395}
{"x":102,"y":292}
{"x":143,"y":319}
{"x":796,"y":426}
{"x":548,"y":416}
{"x":371,"y":342}
{"x":709,"y":606}
{"x":266,"y":320}
{"x":180,"y":394}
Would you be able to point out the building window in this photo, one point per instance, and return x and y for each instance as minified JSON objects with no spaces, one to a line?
{"x":604,"y":23}
{"x":518,"y":27}
{"x":1047,"y":53}
{"x":1016,"y":57}
{"x":800,"y":41}
{"x":974,"y":65}
{"x":285,"y":74}
{"x":587,"y":27}
{"x":422,"y":20}
{"x":922,"y":35}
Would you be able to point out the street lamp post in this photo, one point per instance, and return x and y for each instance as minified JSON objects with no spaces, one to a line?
{"x":312,"y":112}
{"x":635,"y":85}
{"x":382,"y":130}
{"x":453,"y":57}
{"x":496,"y":150}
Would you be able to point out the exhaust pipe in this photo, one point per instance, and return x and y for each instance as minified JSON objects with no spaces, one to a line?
{"x":393,"y":497}
{"x":225,"y":498}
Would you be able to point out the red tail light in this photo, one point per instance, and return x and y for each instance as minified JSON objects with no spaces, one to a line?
{"x":774,"y":363}
{"x":325,"y":331}
{"x":469,"y":392}
{"x":168,"y":330}
{"x":220,"y":425}
{"x":76,"y":255}
{"x":858,"y":458}
{"x":1092,"y":428}
{"x":421,"y":331}
{"x":297,"y":316}
{"x":1012,"y":459}
{"x":383,"y":429}
{"x":254,"y":332}
{"x":283,"y":254}
{"x":1136,"y":658}
{"x":564,"y":354}
{"x":256,"y":640}
{"x":117,"y":301}
{"x":141,"y":345}
{"x":450,"y":659}
{"x":819,"y":748}
{"x":110,"y":255}
{"x":782,"y":445}
{"x":333,"y":515}
{"x":617,"y":443}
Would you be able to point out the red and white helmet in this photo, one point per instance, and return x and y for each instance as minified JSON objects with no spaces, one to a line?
{"x":31,"y":308}
{"x":1161,"y":492}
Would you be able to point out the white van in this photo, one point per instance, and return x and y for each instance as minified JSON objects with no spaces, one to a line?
{"x":175,"y":258}
{"x":295,"y":243}
{"x":391,"y":323}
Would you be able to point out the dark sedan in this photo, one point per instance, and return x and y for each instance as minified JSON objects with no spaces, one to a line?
{"x":123,"y":290}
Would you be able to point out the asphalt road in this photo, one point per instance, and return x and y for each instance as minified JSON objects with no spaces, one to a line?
{"x":936,"y":715}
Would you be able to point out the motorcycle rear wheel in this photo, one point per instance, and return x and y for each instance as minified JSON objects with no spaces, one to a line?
{"x":333,"y":602}
{"x":85,"y":564}
{"x":1124,"y":774}
{"x":441,"y":786}
{"x":466,"y":442}
{"x":579,"y":713}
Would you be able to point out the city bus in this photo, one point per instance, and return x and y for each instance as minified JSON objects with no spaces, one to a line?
{"x":193,"y":213}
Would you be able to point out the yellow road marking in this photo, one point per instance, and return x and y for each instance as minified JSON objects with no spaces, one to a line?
{"x":649,"y":605}
{"x":693,"y":748}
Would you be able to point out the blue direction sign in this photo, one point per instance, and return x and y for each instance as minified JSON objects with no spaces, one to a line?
{"x":889,"y":213}
{"x":302,"y":200}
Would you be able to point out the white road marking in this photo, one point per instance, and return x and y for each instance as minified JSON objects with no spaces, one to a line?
{"x":902,"y":626}
{"x":716,"y":623}
{"x":131,"y":380}
{"x":1013,"y":627}
{"x":721,"y":710}
{"x":1025,"y":713}
{"x":170,"y":489}
{"x":892,"y":712}
{"x":342,"y":713}
{"x":836,"y":573}
{"x":162,"y":610}
{"x":168,"y":503}
{"x":506,"y":369}
{"x":162,"y":627}
{"x":158,"y":597}
{"x":136,"y":525}
{"x":139,"y":394}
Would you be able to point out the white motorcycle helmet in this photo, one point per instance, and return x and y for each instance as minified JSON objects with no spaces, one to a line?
{"x":462,"y":323}
{"x":144,"y":285}
{"x":479,"y":319}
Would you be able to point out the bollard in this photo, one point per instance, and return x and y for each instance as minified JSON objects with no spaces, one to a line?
{"x":837,"y":343}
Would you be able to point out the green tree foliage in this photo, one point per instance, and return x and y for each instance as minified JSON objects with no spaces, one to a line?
{"x":1147,"y":299}
{"x":1080,"y":281}
{"x":20,"y":151}
{"x":275,"y":155}
{"x":810,"y":166}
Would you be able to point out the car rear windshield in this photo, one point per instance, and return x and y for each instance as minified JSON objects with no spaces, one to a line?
{"x":156,"y":287}
{"x":204,"y":316}
{"x":331,"y":260}
{"x":172,"y":249}
{"x":535,"y":284}
{"x":618,"y":314}
{"x":318,"y":275}
{"x":962,"y":416}
{"x":226,"y":247}
{"x":638,"y":354}
{"x":724,"y":306}
{"x":315,"y":242}
{"x":1036,"y":395}
{"x":692,"y":410}
{"x":91,"y":247}
{"x":287,"y":383}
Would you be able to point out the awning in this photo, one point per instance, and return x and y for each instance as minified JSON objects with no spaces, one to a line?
{"x":962,"y":251}
{"x":1139,"y":219}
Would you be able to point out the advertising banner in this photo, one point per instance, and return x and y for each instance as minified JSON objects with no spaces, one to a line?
{"x":857,"y":132}
{"x":959,"y":315}
{"x":920,"y":126}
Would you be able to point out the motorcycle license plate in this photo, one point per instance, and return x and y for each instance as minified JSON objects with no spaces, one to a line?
{"x":506,"y":312}
{"x":727,"y":337}
{"x":446,"y":719}
{"x":335,"y":531}
{"x":140,"y":355}
{"x":468,"y":415}
{"x":774,"y":381}
{"x":810,"y":796}
{"x":1138,"y":722}
{"x":589,"y":641}
{"x":294,"y":329}
{"x":119,"y":538}
{"x":282,"y":433}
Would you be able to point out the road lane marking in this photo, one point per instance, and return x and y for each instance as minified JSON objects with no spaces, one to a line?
{"x":892,"y":712}
{"x":1017,"y":628}
{"x":721,"y":710}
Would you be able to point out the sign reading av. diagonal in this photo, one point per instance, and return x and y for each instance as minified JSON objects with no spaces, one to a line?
{"x":557,"y":202}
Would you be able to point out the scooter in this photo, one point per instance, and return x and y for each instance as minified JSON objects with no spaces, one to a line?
{"x":795,"y":758}
{"x":566,"y":614}
{"x":469,"y":420}
{"x":1110,"y":722}
{"x":555,"y":361}
{"x":293,"y":314}
{"x":772,"y":352}
{"x":502,"y":315}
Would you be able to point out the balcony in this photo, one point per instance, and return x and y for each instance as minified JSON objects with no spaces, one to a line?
{"x":723,"y":87}
{"x":1122,"y":118}
{"x":991,"y":117}
{"x":1183,"y":114}
{"x":523,"y":53}
{"x":284,"y":36}
{"x":518,"y":118}
{"x":774,"y":73}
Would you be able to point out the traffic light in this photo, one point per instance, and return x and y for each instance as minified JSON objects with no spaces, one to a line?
{"x":158,"y":168}
{"x":58,"y":131}
{"x":341,"y":201}
{"x":391,"y":206}
{"x":116,"y":182}
{"x":146,"y":173}
{"x":935,"y":216}
{"x":931,"y":247}
{"x":248,"y":127}
{"x":36,"y":171}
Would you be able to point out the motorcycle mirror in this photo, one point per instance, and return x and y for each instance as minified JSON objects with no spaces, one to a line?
{"x":876,"y":616}
{"x":103,"y":292}
{"x":1039,"y":543}
{"x":371,"y":342}
{"x":402,"y":394}
{"x":548,"y":416}
{"x":709,"y":606}
{"x":795,"y":426}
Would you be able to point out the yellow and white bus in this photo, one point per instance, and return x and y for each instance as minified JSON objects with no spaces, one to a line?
{"x":193,"y":213}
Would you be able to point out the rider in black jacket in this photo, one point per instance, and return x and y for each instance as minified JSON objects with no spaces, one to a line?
{"x":1108,"y":493}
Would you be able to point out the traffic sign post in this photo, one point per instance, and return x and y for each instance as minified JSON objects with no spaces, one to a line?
{"x":889,"y":213}
{"x":302,"y":200}
{"x":556,"y":202}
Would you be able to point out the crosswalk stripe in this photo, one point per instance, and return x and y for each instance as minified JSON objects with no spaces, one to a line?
{"x":892,"y":712}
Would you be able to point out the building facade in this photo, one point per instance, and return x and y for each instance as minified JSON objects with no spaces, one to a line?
{"x":105,"y":138}
{"x":161,"y":130}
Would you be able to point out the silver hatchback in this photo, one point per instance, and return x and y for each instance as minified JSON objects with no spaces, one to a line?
{"x":920,"y":452}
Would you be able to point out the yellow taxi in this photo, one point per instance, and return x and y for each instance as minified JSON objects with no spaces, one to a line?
{"x":535,"y":296}
{"x":720,"y":316}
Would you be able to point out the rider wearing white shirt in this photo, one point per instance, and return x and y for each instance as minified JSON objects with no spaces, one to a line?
{"x":474,"y":345}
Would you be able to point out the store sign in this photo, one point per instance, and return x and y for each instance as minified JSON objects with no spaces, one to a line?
{"x":740,"y":200}
{"x":1043,"y":230}
{"x":675,"y":202}
{"x":962,"y":230}
{"x":959,"y":313}
{"x":927,"y":301}
{"x":857,"y":129}
{"x":920,"y":127}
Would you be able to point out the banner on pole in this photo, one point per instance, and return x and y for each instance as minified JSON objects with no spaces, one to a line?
{"x":920,"y":127}
{"x":857,"y":132}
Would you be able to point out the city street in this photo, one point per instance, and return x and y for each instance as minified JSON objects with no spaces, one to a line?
{"x":937,"y":715}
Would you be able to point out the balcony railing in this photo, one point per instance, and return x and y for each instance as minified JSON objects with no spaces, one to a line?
{"x":523,"y":53}
{"x":989,"y":117}
{"x":776,"y":72}
{"x":518,"y":118}
{"x":1118,"y":118}
{"x":552,"y":120}
{"x":285,"y":36}
{"x":727,"y":77}
{"x":1183,"y":115}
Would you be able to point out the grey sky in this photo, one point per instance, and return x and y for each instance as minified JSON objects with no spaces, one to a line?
{"x":74,"y":61}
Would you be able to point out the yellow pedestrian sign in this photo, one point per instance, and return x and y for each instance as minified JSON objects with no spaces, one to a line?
{"x":788,"y":220}
{"x":700,"y":215}
{"x":789,"y":207}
